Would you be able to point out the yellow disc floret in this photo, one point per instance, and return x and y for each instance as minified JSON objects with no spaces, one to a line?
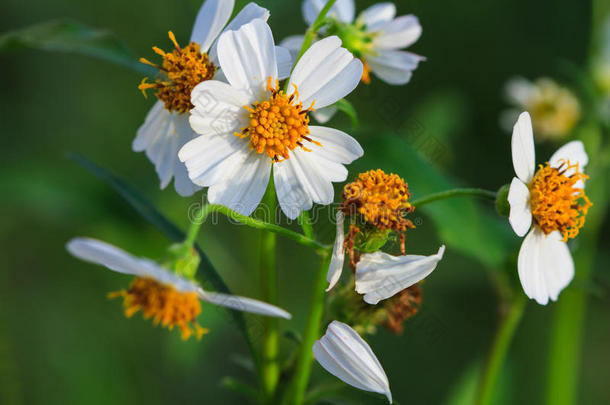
{"x":382,"y":200}
{"x":278,"y":125}
{"x":167,"y":306}
{"x":183,"y":69}
{"x":557,"y":205}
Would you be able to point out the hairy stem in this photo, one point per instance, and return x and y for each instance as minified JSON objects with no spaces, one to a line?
{"x":457,"y":192}
{"x":497,"y":354}
{"x":296,"y":391}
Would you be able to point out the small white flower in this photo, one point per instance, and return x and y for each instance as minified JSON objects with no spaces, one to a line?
{"x":379,"y":275}
{"x":344,"y":354}
{"x":249,"y":125}
{"x":151,"y":278}
{"x":166,"y":130}
{"x":376,"y":37}
{"x":549,"y":203}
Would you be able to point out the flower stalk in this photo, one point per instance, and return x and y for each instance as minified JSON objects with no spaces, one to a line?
{"x":457,"y":192}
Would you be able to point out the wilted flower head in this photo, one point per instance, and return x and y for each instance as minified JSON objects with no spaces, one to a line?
{"x":165,"y":297}
{"x":552,"y":205}
{"x":554,"y":109}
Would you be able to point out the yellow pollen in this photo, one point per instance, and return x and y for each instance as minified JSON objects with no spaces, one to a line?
{"x":366,"y":72}
{"x":382,"y":200}
{"x":167,"y":306}
{"x":279,"y":124}
{"x":556,"y":204}
{"x":182,"y":69}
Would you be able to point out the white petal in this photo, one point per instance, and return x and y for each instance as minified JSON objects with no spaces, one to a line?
{"x":219,"y":108}
{"x":545,"y":265}
{"x":161,"y":136}
{"x":572,"y":151}
{"x":380,"y":12}
{"x":394,"y":67}
{"x":212,"y":16}
{"x":336,"y":262}
{"x":116,"y":259}
{"x":343,"y":10}
{"x":337,"y":146}
{"x":325,"y":74}
{"x":247,"y":57}
{"x":284,"y":62}
{"x":344,"y":354}
{"x":398,"y":33}
{"x":323,"y":115}
{"x":522,"y":146}
{"x":380,"y":275}
{"x":519,"y":91}
{"x":244,"y":189}
{"x":520,"y":216}
{"x":247,"y":14}
{"x":243,"y":304}
{"x":293,"y":43}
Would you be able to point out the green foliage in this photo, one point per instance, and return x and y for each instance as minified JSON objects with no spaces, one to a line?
{"x":72,"y":37}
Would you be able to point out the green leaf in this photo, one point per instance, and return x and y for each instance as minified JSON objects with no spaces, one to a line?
{"x":239,"y":387}
{"x":72,"y":37}
{"x":463,"y":223}
{"x":206,"y":273}
{"x":348,"y":108}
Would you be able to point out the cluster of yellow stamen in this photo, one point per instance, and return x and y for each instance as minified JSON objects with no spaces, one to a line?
{"x":556,"y":204}
{"x":183,"y":68}
{"x":382,"y":200}
{"x":167,"y":306}
{"x":278,"y":125}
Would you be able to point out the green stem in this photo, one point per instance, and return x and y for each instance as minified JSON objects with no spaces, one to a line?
{"x":305,"y":221}
{"x":457,"y":192}
{"x":497,"y":354}
{"x":296,"y":392}
{"x":270,"y":367}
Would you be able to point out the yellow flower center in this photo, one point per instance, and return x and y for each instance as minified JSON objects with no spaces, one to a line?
{"x":382,"y":199}
{"x":278,"y":125}
{"x":167,"y":306}
{"x":183,"y":69}
{"x":556,"y":204}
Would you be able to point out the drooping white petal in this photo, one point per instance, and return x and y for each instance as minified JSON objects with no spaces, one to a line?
{"x":116,"y":259}
{"x":247,"y":57}
{"x":245,"y":186}
{"x":574,"y":152}
{"x":284,"y":62}
{"x":380,"y":12}
{"x":211,"y":18}
{"x":161,"y":136}
{"x":545,"y":265}
{"x":293,"y":43}
{"x":380,"y":275}
{"x":520,"y":216}
{"x":325,"y":74}
{"x":307,"y":177}
{"x":398,"y":33}
{"x":336,"y":262}
{"x":522,"y":146}
{"x":344,"y":354}
{"x":243,"y":304}
{"x":342,"y":10}
{"x":394,"y":67}
{"x":250,"y":12}
{"x":323,"y":115}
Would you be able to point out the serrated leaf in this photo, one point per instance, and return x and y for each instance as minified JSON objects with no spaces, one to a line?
{"x":72,"y":37}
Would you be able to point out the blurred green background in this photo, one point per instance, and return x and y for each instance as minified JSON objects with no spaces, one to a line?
{"x":63,"y":342}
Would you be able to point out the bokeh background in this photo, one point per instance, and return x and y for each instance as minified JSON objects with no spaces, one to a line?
{"x":63,"y":342}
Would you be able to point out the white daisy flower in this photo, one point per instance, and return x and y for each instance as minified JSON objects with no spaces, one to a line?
{"x":376,"y":37}
{"x":551,"y":204}
{"x":166,"y":128}
{"x":249,"y":125}
{"x":161,"y":294}
{"x":344,"y":354}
